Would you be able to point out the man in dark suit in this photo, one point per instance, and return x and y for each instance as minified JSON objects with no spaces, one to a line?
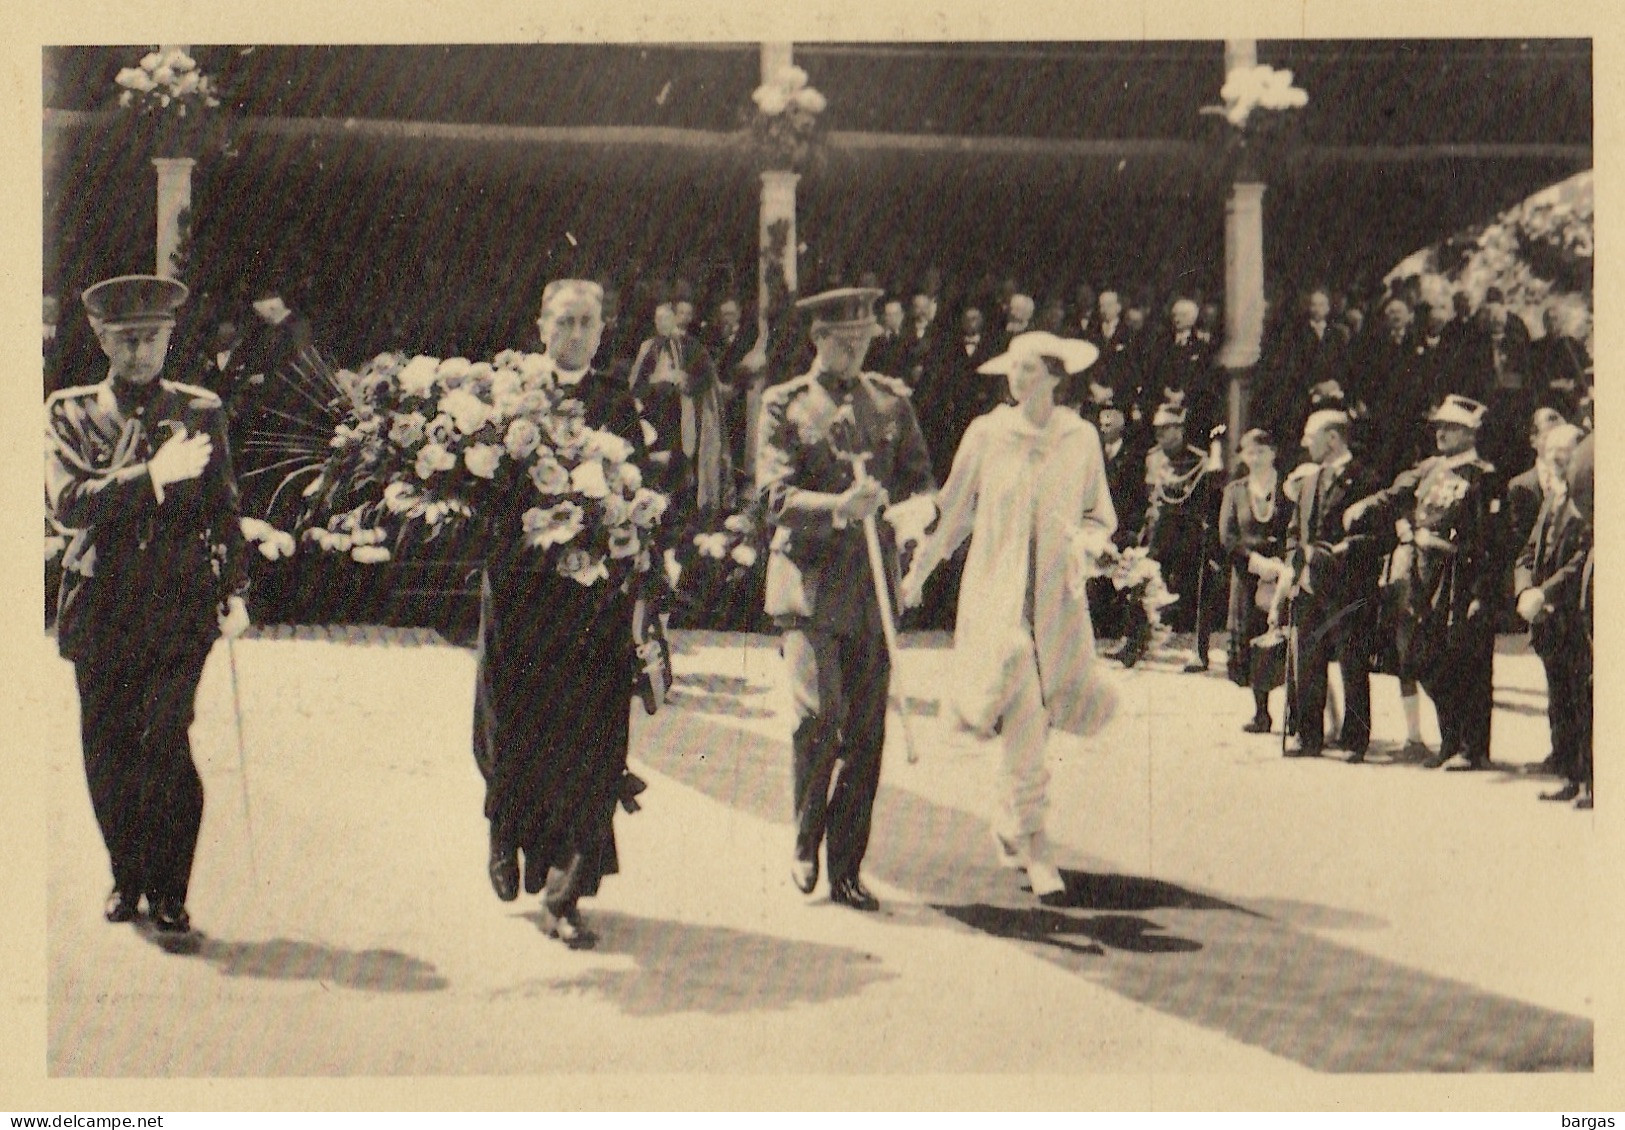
{"x":729,"y":341}
{"x":1314,"y":360}
{"x":955,"y":393}
{"x":820,"y":587}
{"x":1181,"y":369}
{"x":1558,"y":366}
{"x":1526,"y":495}
{"x":1334,"y":589}
{"x":1115,"y":370}
{"x":923,"y":341}
{"x":888,"y":354}
{"x":1503,"y":357}
{"x":138,"y":468}
{"x":1125,"y":479}
{"x":1436,"y":353}
{"x":1549,"y":571}
{"x":1396,"y":398}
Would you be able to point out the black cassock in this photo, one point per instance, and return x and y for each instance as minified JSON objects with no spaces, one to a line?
{"x":554,"y":685}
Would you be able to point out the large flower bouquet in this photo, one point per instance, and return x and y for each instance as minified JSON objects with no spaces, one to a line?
{"x":173,"y":101}
{"x":786,"y":130}
{"x":1135,"y":572}
{"x":429,"y":445}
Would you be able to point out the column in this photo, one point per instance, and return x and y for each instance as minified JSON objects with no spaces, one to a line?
{"x":1243,"y":270}
{"x":775,"y":261}
{"x":174,"y":208}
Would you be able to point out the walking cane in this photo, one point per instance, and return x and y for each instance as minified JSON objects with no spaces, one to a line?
{"x":888,"y":623}
{"x":242,"y":764}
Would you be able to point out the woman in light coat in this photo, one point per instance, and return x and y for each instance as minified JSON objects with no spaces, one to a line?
{"x":1028,"y":487}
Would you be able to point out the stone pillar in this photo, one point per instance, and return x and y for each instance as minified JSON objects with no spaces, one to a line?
{"x":174,"y":206}
{"x":775,"y":261}
{"x":1243,"y":272}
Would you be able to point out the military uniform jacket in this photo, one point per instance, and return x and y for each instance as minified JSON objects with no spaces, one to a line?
{"x":145,"y":568}
{"x":818,"y":572}
{"x":1447,"y":502}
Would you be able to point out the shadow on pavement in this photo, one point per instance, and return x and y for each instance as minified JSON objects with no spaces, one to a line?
{"x":1257,"y":973}
{"x":683,"y":967}
{"x":283,"y":959}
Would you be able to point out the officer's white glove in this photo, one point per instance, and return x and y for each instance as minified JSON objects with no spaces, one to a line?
{"x":181,"y":457}
{"x":912,"y":590}
{"x":234,"y":620}
{"x":910,"y":518}
{"x":1531,"y":603}
{"x":862,"y":501}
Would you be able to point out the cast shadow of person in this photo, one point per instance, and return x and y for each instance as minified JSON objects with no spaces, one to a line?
{"x":685,"y":967}
{"x":286,"y":959}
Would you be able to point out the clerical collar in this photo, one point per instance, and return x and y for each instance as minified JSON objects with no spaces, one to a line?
{"x":570,"y":379}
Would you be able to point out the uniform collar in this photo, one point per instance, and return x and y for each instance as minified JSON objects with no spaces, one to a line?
{"x":1461,"y":459}
{"x":1337,"y":465}
{"x":135,"y":395}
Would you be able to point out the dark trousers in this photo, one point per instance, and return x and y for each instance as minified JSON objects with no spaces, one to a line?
{"x":1568,"y":710}
{"x":1461,"y":685}
{"x":1321,"y":637}
{"x":135,"y":711}
{"x":840,"y":684}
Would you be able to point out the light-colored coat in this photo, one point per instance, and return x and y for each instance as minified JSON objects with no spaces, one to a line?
{"x":1007,"y":476}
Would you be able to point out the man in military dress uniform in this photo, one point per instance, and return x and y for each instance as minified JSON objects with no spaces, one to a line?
{"x":138,"y":468}
{"x":1447,"y":501}
{"x":835,"y":446}
{"x":1180,"y":518}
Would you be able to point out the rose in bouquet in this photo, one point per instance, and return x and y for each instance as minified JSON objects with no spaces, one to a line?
{"x":428,"y":446}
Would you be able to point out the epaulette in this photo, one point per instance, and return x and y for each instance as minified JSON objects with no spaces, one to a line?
{"x":889,"y":383}
{"x":201,"y":397}
{"x":786,"y":389}
{"x":73,"y":393}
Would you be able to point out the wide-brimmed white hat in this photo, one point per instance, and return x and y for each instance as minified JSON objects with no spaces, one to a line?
{"x":1075,"y":356}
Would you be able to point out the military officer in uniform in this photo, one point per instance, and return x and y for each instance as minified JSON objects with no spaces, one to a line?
{"x":835,"y":446}
{"x":138,"y":468}
{"x":1180,"y":518}
{"x":1448,"y":505}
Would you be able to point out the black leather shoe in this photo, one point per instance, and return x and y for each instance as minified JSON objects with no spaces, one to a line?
{"x":804,"y":874}
{"x":1356,"y":758}
{"x":851,"y":892}
{"x":121,"y":907}
{"x":1261,"y":724}
{"x":1584,"y":803}
{"x":1438,"y":759}
{"x":1195,"y":667}
{"x":1301,"y":750}
{"x":1567,"y":793}
{"x":169,"y":916}
{"x":504,"y":871}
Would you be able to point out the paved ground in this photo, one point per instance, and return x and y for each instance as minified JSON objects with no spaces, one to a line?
{"x":1232,"y":912}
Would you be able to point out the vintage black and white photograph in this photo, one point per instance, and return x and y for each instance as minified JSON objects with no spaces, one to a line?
{"x":1013,"y":556}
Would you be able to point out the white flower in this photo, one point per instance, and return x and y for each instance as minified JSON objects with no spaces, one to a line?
{"x":790,"y":78}
{"x":151,"y":60}
{"x":255,"y":529}
{"x":737,"y":524}
{"x":482,"y":459}
{"x":744,"y":555}
{"x":126,"y":97}
{"x":617,"y":510}
{"x":647,"y":507}
{"x":523,"y":438}
{"x":453,"y":371}
{"x":401,"y":497}
{"x":536,"y":369}
{"x":553,"y":526}
{"x":441,"y":429}
{"x":163,"y":76}
{"x":810,"y":100}
{"x":623,"y":543}
{"x":714,"y":546}
{"x":407,"y":430}
{"x":133,"y":78}
{"x":550,"y":476}
{"x":179,"y":61}
{"x":631,"y":478}
{"x":417,"y":378}
{"x":607,"y":445}
{"x":507,"y":359}
{"x":588,"y":478}
{"x":582,"y":568}
{"x":771,"y":100}
{"x":466,"y":410}
{"x":434,"y":458}
{"x":369,"y":554}
{"x":187,"y":84}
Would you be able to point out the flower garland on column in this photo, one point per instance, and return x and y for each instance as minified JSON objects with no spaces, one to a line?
{"x":173,"y":104}
{"x":1246,"y":91}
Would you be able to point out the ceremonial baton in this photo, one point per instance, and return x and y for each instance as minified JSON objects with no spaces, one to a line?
{"x":242,"y":763}
{"x":888,"y":623}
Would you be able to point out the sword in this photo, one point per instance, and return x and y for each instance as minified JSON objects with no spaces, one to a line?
{"x":242,"y":763}
{"x":888,"y":622}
